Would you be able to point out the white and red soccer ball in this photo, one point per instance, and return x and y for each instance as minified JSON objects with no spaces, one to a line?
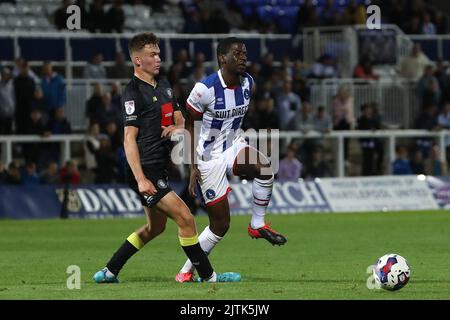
{"x":391,"y":272}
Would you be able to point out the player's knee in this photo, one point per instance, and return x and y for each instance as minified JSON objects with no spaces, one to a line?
{"x":157,"y":230}
{"x":220,"y":226}
{"x":185,"y":219}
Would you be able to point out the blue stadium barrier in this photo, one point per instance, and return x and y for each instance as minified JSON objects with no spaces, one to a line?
{"x":41,"y":49}
{"x":7,"y":51}
{"x":85,"y":49}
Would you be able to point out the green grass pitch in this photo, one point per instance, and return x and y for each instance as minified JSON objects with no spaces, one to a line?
{"x":326,"y":257}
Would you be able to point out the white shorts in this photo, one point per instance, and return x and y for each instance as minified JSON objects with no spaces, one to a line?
{"x":215,"y":186}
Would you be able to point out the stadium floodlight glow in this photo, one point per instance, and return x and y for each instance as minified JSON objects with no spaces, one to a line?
{"x":421,"y":177}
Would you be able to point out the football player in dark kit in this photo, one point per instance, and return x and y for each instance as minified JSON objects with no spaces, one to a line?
{"x":151,"y":116}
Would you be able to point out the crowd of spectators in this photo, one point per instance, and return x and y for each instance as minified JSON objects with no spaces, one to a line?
{"x":208,"y":16}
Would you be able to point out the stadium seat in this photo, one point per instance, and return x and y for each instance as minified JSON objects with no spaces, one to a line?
{"x":7,"y":9}
{"x":265,"y":13}
{"x":128,"y":10}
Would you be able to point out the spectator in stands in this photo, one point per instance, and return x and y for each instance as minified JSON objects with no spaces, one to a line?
{"x":412,"y":67}
{"x":53,"y":87}
{"x":330,"y":15}
{"x":444,"y":123}
{"x":179,"y":70}
{"x":36,"y":152}
{"x":217,"y":22}
{"x":290,"y":168}
{"x":303,"y":120}
{"x":13,"y":176}
{"x":434,"y":166}
{"x":364,"y":70}
{"x":115,"y":17}
{"x":114,"y":135}
{"x":428,"y":88}
{"x":18,"y":66}
{"x":94,"y":103}
{"x":7,"y":101}
{"x":95,"y":69}
{"x":60,"y":16}
{"x":29,"y":176}
{"x":116,"y":98}
{"x":417,"y":164}
{"x":91,"y":146}
{"x":413,"y":26}
{"x":196,"y":76}
{"x":40,"y":103}
{"x":120,"y":70}
{"x":428,"y":26}
{"x":3,"y":174}
{"x":324,"y":67}
{"x":343,"y":114}
{"x":107,"y":112}
{"x":69,"y":174}
{"x":301,"y":88}
{"x":427,"y":120}
{"x":50,"y":175}
{"x":367,"y":121}
{"x":317,"y":167}
{"x":193,"y":22}
{"x":396,"y":13}
{"x":288,"y":105}
{"x":106,"y":162}
{"x":267,"y":69}
{"x":441,"y":23}
{"x":440,"y":73}
{"x":59,"y":123}
{"x":322,"y":122}
{"x":24,"y":87}
{"x":84,"y":14}
{"x":307,"y":16}
{"x":97,"y":18}
{"x":401,"y":164}
{"x":354,"y":13}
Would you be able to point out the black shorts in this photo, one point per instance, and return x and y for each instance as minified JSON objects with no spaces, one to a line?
{"x":158,"y":176}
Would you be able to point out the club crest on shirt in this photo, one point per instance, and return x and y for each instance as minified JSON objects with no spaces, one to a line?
{"x":129,"y":107}
{"x":162,"y":184}
{"x":210,"y":194}
{"x":169,"y":92}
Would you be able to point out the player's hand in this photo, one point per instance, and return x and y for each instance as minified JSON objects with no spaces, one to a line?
{"x":146,"y":187}
{"x":194,"y":177}
{"x":168,"y":131}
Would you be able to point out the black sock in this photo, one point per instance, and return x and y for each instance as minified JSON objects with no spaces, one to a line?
{"x":120,"y":257}
{"x":199,"y":259}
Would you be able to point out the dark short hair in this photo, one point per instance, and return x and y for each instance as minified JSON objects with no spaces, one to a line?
{"x":225,"y":44}
{"x":139,"y":41}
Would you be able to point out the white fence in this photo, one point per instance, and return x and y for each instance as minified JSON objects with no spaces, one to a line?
{"x":287,"y":136}
{"x":397,"y":99}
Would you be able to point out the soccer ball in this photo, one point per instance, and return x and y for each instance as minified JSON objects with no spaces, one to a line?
{"x":391,"y":272}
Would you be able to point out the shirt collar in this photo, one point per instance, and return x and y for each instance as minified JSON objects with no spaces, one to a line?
{"x":221,"y":79}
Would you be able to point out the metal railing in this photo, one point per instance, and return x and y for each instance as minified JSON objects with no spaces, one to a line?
{"x":165,"y":44}
{"x":336,"y":136}
{"x":396,"y":98}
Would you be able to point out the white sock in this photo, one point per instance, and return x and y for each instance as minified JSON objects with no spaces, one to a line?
{"x":208,"y":241}
{"x":108,"y":273}
{"x":213,"y":278}
{"x":262,"y":191}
